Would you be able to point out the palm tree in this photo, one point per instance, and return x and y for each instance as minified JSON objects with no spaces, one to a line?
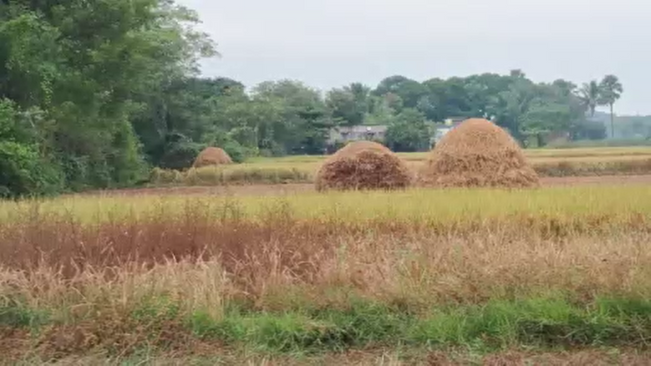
{"x":590,"y":95}
{"x":611,"y":90}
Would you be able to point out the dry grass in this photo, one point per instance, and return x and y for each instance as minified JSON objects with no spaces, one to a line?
{"x":401,"y":247}
{"x":126,"y":285}
{"x":182,"y":275}
{"x":264,"y":263}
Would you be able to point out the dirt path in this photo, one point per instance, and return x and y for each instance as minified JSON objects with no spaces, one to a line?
{"x":281,"y":189}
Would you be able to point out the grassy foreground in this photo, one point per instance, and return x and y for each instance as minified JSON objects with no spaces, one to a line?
{"x":415,"y":274}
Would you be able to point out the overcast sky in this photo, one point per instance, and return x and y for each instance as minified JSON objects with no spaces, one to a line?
{"x":330,"y":43}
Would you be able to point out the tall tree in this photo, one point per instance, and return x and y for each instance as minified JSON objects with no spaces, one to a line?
{"x":349,"y":104}
{"x":410,"y":91}
{"x":590,"y":95}
{"x":407,"y":132}
{"x":91,"y":68}
{"x":305,"y":123}
{"x":611,"y":90}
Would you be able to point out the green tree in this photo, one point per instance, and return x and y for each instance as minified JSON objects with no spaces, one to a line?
{"x":349,"y":104}
{"x":93,"y":68}
{"x":590,"y":95}
{"x":611,"y":90}
{"x":23,"y":170}
{"x":408,"y":132}
{"x":409,"y":91}
{"x":304,"y":122}
{"x":510,"y":106}
{"x":544,"y":116}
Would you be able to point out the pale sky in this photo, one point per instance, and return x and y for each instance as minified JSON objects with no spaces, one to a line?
{"x":330,"y":43}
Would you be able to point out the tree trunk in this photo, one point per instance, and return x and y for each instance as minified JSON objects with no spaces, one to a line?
{"x":612,"y":122}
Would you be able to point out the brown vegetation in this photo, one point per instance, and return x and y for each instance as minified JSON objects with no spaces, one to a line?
{"x":102,"y":276}
{"x":363,"y":165}
{"x":212,"y":156}
{"x":478,"y":153}
{"x":262,"y":257}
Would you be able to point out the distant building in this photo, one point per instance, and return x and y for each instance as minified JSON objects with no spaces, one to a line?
{"x":356,"y":133}
{"x":343,"y":135}
{"x":447,"y":126}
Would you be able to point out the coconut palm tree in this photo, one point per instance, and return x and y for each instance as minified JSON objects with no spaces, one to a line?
{"x":610,"y":91}
{"x":590,"y":95}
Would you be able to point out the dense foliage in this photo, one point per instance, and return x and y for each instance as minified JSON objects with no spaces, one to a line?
{"x":93,"y":94}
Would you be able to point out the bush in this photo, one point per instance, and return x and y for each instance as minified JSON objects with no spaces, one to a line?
{"x":408,"y":132}
{"x":165,"y":177}
{"x":126,"y":164}
{"x":236,"y":151}
{"x":180,"y":155}
{"x":23,"y":172}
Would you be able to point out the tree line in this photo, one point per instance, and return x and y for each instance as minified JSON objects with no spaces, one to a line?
{"x":93,"y":94}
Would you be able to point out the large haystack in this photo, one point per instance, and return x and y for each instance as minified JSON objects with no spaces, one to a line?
{"x":212,"y":156}
{"x":478,"y":153}
{"x":363,"y":165}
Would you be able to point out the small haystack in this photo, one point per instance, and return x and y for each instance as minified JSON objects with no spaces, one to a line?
{"x":363,"y":165}
{"x":212,"y":156}
{"x":478,"y":153}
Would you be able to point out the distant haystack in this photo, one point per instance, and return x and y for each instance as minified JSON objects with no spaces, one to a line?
{"x":212,"y":156}
{"x":478,"y":153}
{"x":363,"y":165}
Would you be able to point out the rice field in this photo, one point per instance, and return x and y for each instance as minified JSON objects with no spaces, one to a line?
{"x":580,"y":162}
{"x":557,"y":275}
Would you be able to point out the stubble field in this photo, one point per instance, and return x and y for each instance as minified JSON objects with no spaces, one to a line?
{"x":564,"y":165}
{"x":280,"y":274}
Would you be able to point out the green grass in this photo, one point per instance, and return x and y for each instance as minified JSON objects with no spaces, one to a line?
{"x":538,"y":323}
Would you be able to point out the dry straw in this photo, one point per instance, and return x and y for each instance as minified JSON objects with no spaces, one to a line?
{"x":363,"y":165}
{"x":212,"y":156}
{"x":478,"y":153}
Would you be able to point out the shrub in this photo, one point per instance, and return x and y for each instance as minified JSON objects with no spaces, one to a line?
{"x":236,"y":151}
{"x":23,"y":172}
{"x":180,"y":155}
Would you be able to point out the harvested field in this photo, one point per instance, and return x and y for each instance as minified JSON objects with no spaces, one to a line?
{"x":283,"y":189}
{"x":303,"y":169}
{"x":322,"y":273}
{"x":282,"y":274}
